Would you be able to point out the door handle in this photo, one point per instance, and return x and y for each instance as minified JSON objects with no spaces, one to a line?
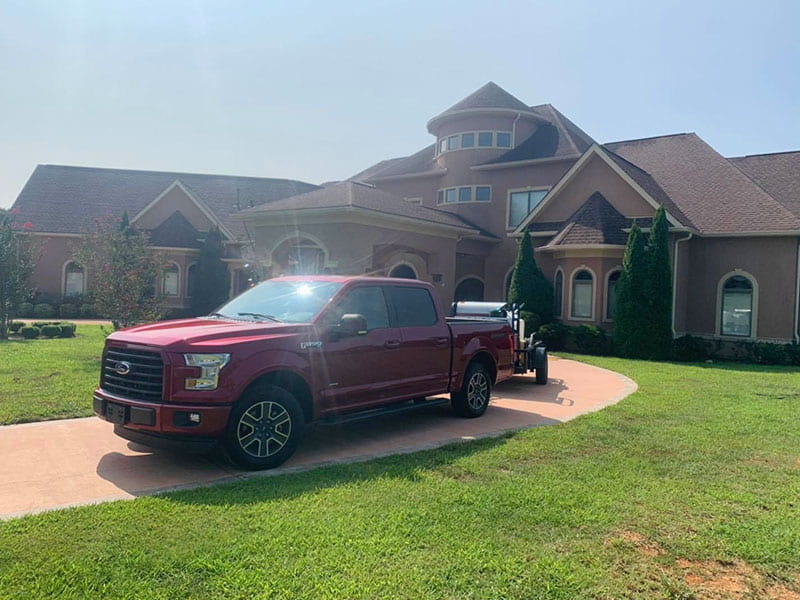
{"x":391,"y":344}
{"x":441,"y":341}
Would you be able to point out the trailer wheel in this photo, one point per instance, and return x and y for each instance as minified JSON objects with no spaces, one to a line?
{"x":264,"y":428}
{"x":540,"y":360}
{"x":473,"y":398}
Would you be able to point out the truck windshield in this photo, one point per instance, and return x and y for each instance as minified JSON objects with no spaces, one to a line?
{"x":282,"y":301}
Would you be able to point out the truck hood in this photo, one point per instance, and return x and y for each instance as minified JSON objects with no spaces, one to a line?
{"x":203,"y":333}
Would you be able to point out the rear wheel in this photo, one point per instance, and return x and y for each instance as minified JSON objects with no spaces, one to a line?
{"x":473,"y":398}
{"x":264,"y":428}
{"x":541,"y":366}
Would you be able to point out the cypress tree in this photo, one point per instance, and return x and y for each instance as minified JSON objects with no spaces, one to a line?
{"x":211,"y":283}
{"x":631,"y":315}
{"x":530,"y":287}
{"x":659,"y":289}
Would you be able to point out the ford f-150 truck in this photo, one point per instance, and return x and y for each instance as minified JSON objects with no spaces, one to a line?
{"x":293,"y":350}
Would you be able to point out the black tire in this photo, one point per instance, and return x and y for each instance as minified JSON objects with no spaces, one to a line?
{"x":476,"y":390}
{"x":264,"y":428}
{"x":541,"y":366}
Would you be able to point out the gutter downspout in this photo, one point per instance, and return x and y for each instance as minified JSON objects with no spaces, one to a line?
{"x":675,"y":279}
{"x":797,"y":299}
{"x":514,"y":131}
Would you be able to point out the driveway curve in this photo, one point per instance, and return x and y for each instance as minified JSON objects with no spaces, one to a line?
{"x":55,"y":464}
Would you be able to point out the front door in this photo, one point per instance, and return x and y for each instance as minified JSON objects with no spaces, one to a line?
{"x":352,"y":367}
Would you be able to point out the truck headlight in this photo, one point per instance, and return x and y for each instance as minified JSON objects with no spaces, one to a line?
{"x":210,"y":365}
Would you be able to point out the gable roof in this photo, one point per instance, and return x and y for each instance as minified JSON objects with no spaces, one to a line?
{"x":62,"y":199}
{"x":423,"y":161}
{"x":778,"y":174}
{"x":176,"y":232}
{"x":595,"y":222}
{"x":350,"y":194}
{"x":713,"y":195}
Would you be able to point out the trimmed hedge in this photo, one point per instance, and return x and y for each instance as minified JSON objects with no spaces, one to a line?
{"x":691,"y":349}
{"x":68,"y":310}
{"x":44,"y":311}
{"x":591,"y":339}
{"x":16,"y":326}
{"x":51,"y":331}
{"x":554,"y":335}
{"x":29,"y":333}
{"x":25,"y":310}
{"x":67,"y":330}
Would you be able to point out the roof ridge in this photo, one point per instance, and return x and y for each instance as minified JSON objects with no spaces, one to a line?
{"x":764,"y":154}
{"x":652,"y":137}
{"x":176,"y":173}
{"x":555,"y":114}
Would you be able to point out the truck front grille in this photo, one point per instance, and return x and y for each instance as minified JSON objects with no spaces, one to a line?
{"x":144,"y":378}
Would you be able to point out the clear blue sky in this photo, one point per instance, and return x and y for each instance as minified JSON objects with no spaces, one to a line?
{"x":320,"y":90}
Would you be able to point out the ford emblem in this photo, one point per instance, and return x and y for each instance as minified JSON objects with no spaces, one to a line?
{"x":122,"y":368}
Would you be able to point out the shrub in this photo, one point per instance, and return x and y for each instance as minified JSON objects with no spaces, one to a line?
{"x":44,"y":311}
{"x":793,"y":354}
{"x":25,"y":310}
{"x":691,"y":349}
{"x":41,"y":324}
{"x":16,"y":326}
{"x":532,"y":321}
{"x":51,"y":331}
{"x":590,"y":339}
{"x":67,"y":330}
{"x":87,"y":311}
{"x":29,"y":333}
{"x":554,"y":335}
{"x":68,"y":310}
{"x":766,"y":353}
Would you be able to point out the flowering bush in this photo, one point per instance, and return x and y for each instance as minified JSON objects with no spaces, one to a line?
{"x":16,"y":265}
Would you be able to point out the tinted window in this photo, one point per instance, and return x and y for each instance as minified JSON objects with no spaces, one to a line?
{"x":483,"y":193}
{"x":485,"y":138}
{"x":504,"y":140}
{"x":290,"y":301}
{"x":450,"y":196}
{"x":467,"y":140}
{"x":413,"y":307}
{"x":465,"y":194}
{"x":452,"y":142}
{"x":366,"y":301}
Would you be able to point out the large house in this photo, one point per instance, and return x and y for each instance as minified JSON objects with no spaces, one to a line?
{"x":454,"y":212}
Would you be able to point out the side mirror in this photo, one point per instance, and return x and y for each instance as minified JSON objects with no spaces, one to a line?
{"x":352,"y":324}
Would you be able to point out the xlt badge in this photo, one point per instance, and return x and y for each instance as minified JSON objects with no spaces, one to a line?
{"x":304,"y":345}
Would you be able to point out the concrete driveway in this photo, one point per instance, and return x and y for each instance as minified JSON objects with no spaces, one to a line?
{"x":56,"y":464}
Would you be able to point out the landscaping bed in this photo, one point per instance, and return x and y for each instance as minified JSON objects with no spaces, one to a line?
{"x":687,"y":489}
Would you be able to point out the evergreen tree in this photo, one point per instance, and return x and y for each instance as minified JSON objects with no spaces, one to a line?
{"x":531,"y":288}
{"x":211,"y":276}
{"x":659,"y":289}
{"x":631,"y":318}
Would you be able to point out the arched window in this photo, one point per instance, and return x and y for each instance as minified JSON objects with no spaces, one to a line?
{"x":558,"y":293}
{"x":403,"y":271}
{"x":191,"y":280}
{"x":611,"y":293}
{"x":582,"y":295}
{"x":736,"y":310}
{"x":470,"y":289}
{"x":170,"y":280}
{"x":74,"y":279}
{"x":305,"y":257}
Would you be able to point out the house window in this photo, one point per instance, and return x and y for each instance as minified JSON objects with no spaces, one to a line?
{"x":737,"y":307}
{"x":191,"y":280}
{"x":483,"y":193}
{"x":169,"y":281}
{"x":403,"y":271}
{"x":305,"y":258}
{"x":452,"y":142}
{"x":442,"y":145}
{"x":465,"y":194}
{"x":558,"y":293}
{"x":611,"y":294}
{"x":520,"y":204}
{"x":485,"y":138}
{"x":74,"y":280}
{"x":467,"y":140}
{"x":503,"y":140}
{"x":469,"y":290}
{"x":582,"y":294}
{"x":450,"y":196}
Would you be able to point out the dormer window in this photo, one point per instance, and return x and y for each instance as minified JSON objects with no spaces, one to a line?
{"x":503,"y":139}
{"x":485,"y":138}
{"x":472,"y":139}
{"x":452,"y":142}
{"x":464,"y":194}
{"x":467,"y":140}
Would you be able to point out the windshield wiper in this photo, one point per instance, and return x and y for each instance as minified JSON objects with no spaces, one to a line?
{"x":259,"y":316}
{"x":219,"y":315}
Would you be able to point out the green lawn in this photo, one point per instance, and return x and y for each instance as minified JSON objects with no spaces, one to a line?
{"x":687,"y":489}
{"x":49,"y":379}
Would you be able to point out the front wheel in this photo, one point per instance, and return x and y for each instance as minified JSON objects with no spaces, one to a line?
{"x":473,"y":398}
{"x":264,"y":428}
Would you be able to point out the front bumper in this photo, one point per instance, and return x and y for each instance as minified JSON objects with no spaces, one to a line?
{"x":152,"y":421}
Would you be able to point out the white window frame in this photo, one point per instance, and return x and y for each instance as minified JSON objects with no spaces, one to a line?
{"x":575,"y":271}
{"x":560,"y":314}
{"x":541,"y":188}
{"x":458,"y":188}
{"x":753,"y":311}
{"x":166,"y":268}
{"x":443,"y":143}
{"x":186,"y":293}
{"x":72,"y":261}
{"x":615,"y":269}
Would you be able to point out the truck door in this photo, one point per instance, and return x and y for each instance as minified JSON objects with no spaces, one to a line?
{"x":423,"y":366}
{"x":353,"y":366}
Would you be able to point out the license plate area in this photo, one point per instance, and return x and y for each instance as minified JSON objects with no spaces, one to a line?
{"x":116,"y":413}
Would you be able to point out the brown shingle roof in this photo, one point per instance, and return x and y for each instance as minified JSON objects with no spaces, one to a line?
{"x":595,"y":222}
{"x":423,"y":161}
{"x":490,"y":95}
{"x":176,"y":232}
{"x":778,"y":174}
{"x":709,"y":191}
{"x":61,"y":199}
{"x":351,"y":194}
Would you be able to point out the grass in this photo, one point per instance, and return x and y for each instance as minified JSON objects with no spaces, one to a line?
{"x":689,"y":488}
{"x":49,"y":378}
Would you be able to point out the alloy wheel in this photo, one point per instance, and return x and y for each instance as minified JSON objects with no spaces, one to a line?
{"x":478,"y":391}
{"x":264,"y":429}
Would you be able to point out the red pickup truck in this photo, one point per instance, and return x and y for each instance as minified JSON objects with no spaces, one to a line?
{"x":293,"y":350}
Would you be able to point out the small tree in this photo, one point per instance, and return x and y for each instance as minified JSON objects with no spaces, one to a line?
{"x":530,"y":287}
{"x":211,"y":276}
{"x":124,"y":273}
{"x":659,"y":289}
{"x":16,"y":266}
{"x":631,"y":315}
